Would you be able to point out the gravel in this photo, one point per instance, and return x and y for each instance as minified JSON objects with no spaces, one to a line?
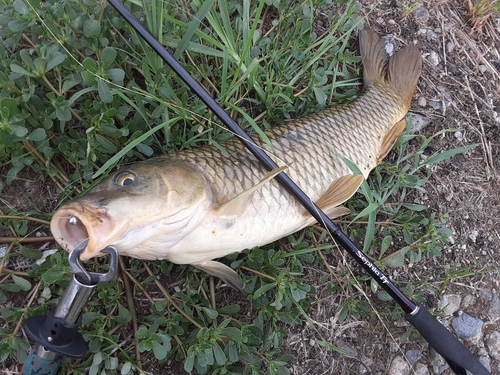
{"x":466,"y":326}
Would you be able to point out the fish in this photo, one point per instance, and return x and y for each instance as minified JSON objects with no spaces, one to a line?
{"x":195,"y":206}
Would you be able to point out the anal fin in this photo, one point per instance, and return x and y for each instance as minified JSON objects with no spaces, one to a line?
{"x":223,"y":272}
{"x":337,"y":193}
{"x":389,"y":139}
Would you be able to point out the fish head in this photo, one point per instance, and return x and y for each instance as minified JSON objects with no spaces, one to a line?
{"x":166,"y":194}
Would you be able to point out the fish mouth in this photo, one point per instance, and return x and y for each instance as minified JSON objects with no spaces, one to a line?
{"x":74,"y":222}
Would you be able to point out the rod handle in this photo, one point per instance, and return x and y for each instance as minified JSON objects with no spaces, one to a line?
{"x":445,"y":343}
{"x":40,"y":361}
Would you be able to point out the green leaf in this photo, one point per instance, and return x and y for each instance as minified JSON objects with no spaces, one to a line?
{"x":398,"y":259}
{"x":91,"y":28}
{"x":8,"y":108}
{"x":447,"y":154}
{"x":263,"y":289}
{"x":159,"y":351}
{"x":189,"y":363}
{"x":124,"y":313}
{"x":414,"y":207}
{"x":17,"y":25}
{"x":18,"y":69}
{"x":21,"y":7}
{"x":22,"y":283}
{"x":56,"y":59}
{"x":233,"y":333}
{"x":30,"y":253}
{"x":104,"y":91}
{"x":90,"y":317}
{"x":108,"y":56}
{"x":211,"y":313}
{"x":127,"y":367}
{"x":142,"y":333}
{"x":52,"y":275}
{"x":229,"y":309}
{"x":368,"y":210}
{"x":37,"y":135}
{"x":115,"y":75}
{"x":320,"y":96}
{"x":220,"y":356}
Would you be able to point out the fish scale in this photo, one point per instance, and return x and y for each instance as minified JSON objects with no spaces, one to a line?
{"x":193,"y":206}
{"x":318,"y":135}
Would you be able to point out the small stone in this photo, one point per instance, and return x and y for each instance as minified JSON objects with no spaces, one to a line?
{"x":421,"y":369}
{"x":436,"y":104}
{"x":450,"y":303}
{"x":473,"y":236}
{"x":365,"y":366}
{"x":486,"y":294}
{"x":401,"y":323}
{"x":441,"y":368}
{"x":417,"y":121}
{"x":394,"y":347}
{"x":482,"y":351}
{"x":436,"y":361}
{"x":312,"y":342}
{"x":447,"y":96}
{"x":422,"y":102}
{"x":466,"y":326}
{"x":448,"y":197}
{"x":482,"y":68}
{"x":431,"y":34}
{"x":421,"y":15}
{"x":434,"y":58}
{"x":493,"y":344}
{"x":3,"y":250}
{"x":399,"y":366}
{"x":451,"y":240}
{"x":458,"y":135}
{"x":352,"y":351}
{"x":450,"y":47}
{"x":494,"y":308}
{"x":413,"y":356}
{"x":468,"y":300}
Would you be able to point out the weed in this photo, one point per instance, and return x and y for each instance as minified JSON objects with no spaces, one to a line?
{"x":480,"y":11}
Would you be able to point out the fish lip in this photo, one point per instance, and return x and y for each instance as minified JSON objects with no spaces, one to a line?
{"x":92,"y":223}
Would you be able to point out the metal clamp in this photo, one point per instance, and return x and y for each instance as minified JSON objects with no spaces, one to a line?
{"x":91,"y":278}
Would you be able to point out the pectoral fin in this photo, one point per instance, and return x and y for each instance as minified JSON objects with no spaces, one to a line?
{"x":237,"y":205}
{"x":337,"y":193}
{"x":223,"y":272}
{"x":389,"y":139}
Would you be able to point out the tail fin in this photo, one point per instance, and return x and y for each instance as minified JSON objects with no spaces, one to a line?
{"x":400,"y":71}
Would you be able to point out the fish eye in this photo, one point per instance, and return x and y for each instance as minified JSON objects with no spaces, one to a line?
{"x":125,"y":179}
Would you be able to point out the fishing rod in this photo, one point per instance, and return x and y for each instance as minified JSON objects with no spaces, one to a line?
{"x":443,"y":341}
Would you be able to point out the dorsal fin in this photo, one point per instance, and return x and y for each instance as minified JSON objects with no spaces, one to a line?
{"x":337,"y":193}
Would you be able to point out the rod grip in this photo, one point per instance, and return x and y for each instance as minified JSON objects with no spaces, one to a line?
{"x":445,"y":343}
{"x":40,"y":362}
